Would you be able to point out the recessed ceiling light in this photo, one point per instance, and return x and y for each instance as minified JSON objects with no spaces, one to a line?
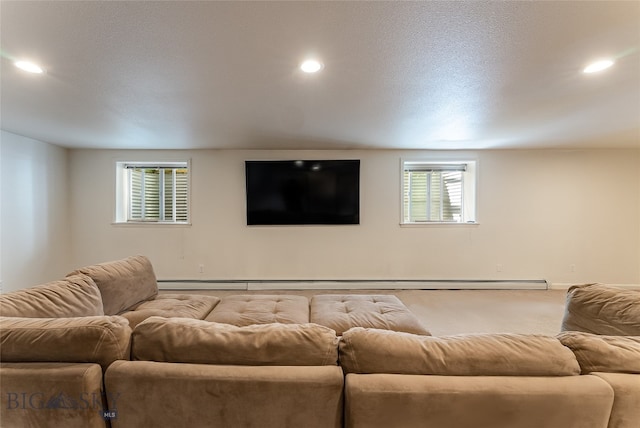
{"x":598,"y":66}
{"x":311,"y":66}
{"x":29,"y":67}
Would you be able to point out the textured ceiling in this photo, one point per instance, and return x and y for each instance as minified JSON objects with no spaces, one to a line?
{"x":434,"y":75}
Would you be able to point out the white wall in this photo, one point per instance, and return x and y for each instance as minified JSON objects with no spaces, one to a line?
{"x":34,"y":197}
{"x":540,"y":212}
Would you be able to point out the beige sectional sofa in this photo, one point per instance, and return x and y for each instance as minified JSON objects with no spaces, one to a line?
{"x":102,"y":348}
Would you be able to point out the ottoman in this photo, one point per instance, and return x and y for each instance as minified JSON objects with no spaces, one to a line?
{"x":246,"y":309}
{"x":343,"y":311}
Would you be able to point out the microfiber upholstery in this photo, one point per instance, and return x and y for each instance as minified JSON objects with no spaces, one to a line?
{"x":410,"y":401}
{"x":602,"y":309}
{"x":598,"y":353}
{"x":156,"y":394}
{"x":123,"y":283}
{"x":625,"y":412}
{"x":74,"y":296}
{"x":340,"y":312}
{"x":242,"y":310}
{"x":68,"y":395}
{"x":172,"y":305}
{"x":382,"y":351}
{"x":182,"y":340}
{"x":100,"y":340}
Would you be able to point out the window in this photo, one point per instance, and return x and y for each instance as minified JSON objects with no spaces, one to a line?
{"x":153,"y":192}
{"x":438,"y":192}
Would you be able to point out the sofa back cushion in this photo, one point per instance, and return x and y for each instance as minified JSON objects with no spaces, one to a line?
{"x":183,"y":340}
{"x":100,"y":340}
{"x":123,"y":283}
{"x":602,"y":309}
{"x":381,"y":351}
{"x":74,"y":296}
{"x":596,"y":353}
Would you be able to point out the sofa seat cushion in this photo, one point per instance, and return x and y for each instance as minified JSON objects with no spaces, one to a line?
{"x":182,"y":340}
{"x":100,"y":340}
{"x":156,"y":394}
{"x":626,"y":403}
{"x":123,"y":283}
{"x":388,"y":400}
{"x":74,"y":296}
{"x":597,"y":353}
{"x":242,"y":310}
{"x":52,"y":395}
{"x":601,"y":309}
{"x":381,"y":351}
{"x":172,"y":305}
{"x":343,"y":311}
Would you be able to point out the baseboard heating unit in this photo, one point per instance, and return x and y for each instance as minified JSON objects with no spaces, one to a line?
{"x":348,"y":284}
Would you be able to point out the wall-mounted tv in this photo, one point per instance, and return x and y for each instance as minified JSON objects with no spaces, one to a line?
{"x":295,"y":192}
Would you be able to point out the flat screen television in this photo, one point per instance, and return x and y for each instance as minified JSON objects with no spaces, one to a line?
{"x":296,"y":192}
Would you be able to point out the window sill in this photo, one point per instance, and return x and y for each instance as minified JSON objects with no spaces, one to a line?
{"x":440,"y":224}
{"x":148,"y":224}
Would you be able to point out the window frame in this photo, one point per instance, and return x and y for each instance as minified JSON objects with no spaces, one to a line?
{"x":123,"y":192}
{"x":469,"y":209}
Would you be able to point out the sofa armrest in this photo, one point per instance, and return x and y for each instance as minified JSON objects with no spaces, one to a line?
{"x":602,"y":309}
{"x":100,"y":339}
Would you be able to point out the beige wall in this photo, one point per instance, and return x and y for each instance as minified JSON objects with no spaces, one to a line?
{"x":34,"y":224}
{"x":540,"y":213}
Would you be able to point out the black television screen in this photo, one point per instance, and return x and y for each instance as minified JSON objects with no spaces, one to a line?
{"x":303,"y":192}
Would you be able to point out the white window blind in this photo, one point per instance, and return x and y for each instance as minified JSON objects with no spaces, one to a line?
{"x":158,"y":193}
{"x":433,"y":192}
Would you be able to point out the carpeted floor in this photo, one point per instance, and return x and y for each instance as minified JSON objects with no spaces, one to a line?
{"x":447,"y":312}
